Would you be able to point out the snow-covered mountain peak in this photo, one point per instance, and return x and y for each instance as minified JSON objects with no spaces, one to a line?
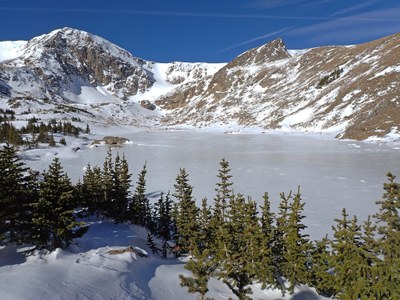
{"x":349,"y":90}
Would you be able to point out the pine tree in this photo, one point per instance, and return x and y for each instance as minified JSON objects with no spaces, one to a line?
{"x":91,"y":191}
{"x":224,"y":194}
{"x":52,"y":142}
{"x":235,"y":268}
{"x":205,"y":230}
{"x":266,"y":265}
{"x":388,"y":220}
{"x":223,"y":190}
{"x":369,"y":269}
{"x":296,"y":245}
{"x":320,"y":275}
{"x":120,"y":189}
{"x":139,"y":208}
{"x":187,"y":214}
{"x":347,"y":258}
{"x":17,"y":191}
{"x":202,"y":267}
{"x":107,"y":183}
{"x":282,"y":224}
{"x":152,"y":245}
{"x":165,"y":223}
{"x":54,"y":223}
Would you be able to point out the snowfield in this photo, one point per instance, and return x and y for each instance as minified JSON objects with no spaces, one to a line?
{"x":86,"y":271}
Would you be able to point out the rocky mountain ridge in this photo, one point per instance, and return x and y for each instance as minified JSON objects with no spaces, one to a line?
{"x":352,"y":91}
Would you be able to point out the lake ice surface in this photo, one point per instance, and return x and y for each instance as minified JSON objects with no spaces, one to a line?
{"x":332,"y":174}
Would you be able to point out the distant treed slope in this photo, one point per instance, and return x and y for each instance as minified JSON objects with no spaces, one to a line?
{"x":353,"y":91}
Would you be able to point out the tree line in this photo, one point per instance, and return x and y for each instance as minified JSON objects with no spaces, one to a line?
{"x":233,"y":239}
{"x":38,"y":132}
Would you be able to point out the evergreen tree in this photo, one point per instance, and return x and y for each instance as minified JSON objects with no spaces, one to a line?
{"x":152,"y":245}
{"x":54,"y":223}
{"x":120,"y":189}
{"x":223,"y":190}
{"x":282,"y":224}
{"x":235,"y":267}
{"x":187,"y":214}
{"x":369,"y":269}
{"x":202,"y":268}
{"x":165,"y":223}
{"x":224,"y":194}
{"x":91,"y":192}
{"x":107,"y":183}
{"x":139,"y":208}
{"x":388,"y":220}
{"x":320,"y":275}
{"x":17,"y":191}
{"x":347,"y":258}
{"x":205,"y":230}
{"x":296,"y":249}
{"x":266,"y":265}
{"x":52,"y":142}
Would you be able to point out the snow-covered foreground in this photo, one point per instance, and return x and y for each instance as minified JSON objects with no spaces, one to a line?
{"x":87,"y":271}
{"x":332,"y":174}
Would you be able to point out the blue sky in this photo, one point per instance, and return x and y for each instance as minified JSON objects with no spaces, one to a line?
{"x":204,"y":30}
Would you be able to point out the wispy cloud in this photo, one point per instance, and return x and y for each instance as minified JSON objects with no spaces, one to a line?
{"x":348,"y":29}
{"x":315,"y":3}
{"x":262,"y":37}
{"x":266,"y":4}
{"x":393,"y":18}
{"x":356,"y":7}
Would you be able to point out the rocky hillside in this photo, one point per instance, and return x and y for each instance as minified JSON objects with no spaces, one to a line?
{"x":352,"y":91}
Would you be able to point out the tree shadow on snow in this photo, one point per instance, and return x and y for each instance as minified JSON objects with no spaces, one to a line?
{"x":10,"y":255}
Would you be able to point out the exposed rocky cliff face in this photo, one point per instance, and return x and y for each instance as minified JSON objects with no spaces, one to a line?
{"x":68,"y":58}
{"x":353,"y":91}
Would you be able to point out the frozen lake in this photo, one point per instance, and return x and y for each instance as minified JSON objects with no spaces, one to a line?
{"x":331,"y":174}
